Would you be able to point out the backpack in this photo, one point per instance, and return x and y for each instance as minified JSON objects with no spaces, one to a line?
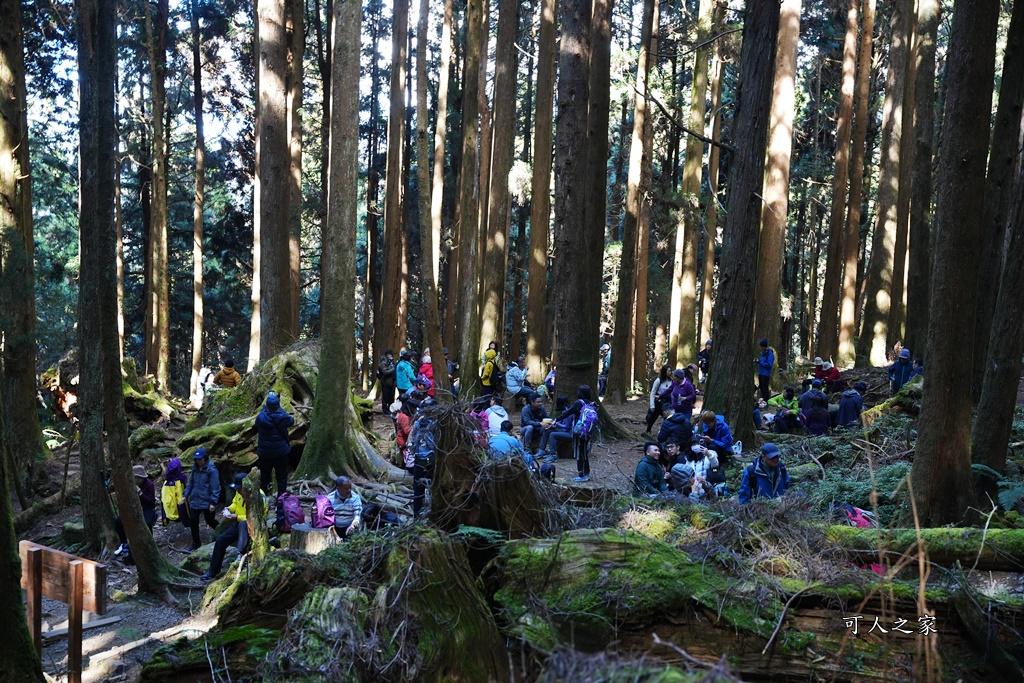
{"x":289,"y":512}
{"x":422,"y":443}
{"x":716,"y":475}
{"x":587,"y":421}
{"x":322,"y":514}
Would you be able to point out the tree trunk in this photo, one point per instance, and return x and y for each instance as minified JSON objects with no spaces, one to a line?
{"x":391,"y":326}
{"x":96,"y":68}
{"x":714,"y":157}
{"x":19,"y":660}
{"x":919,"y":265}
{"x":540,"y":196}
{"x":432,"y":316}
{"x":467,"y":314}
{"x":683,"y":320}
{"x":873,"y":341}
{"x":199,"y":203}
{"x":828,"y":325}
{"x":17,"y":281}
{"x":273,"y":165}
{"x":897,"y":308}
{"x":159,"y":288}
{"x":372,"y":289}
{"x":1004,"y":157}
{"x":322,"y":31}
{"x":577,"y":335}
{"x":495,"y":265}
{"x":848,"y":307}
{"x":729,"y":386}
{"x":484,"y":177}
{"x":335,"y":442}
{"x":942,"y":463}
{"x":619,"y":375}
{"x":440,"y":135}
{"x":295,"y":35}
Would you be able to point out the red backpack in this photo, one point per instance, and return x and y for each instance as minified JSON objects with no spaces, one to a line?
{"x":289,"y":512}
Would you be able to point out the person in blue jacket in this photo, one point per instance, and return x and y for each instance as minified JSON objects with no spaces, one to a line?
{"x":765,"y":363}
{"x":273,"y":445}
{"x":202,"y":493}
{"x":405,"y":373}
{"x":851,"y":404}
{"x":714,"y":434}
{"x":766,"y":477}
{"x":900,"y":371}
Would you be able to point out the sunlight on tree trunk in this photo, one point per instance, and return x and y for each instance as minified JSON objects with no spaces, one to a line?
{"x":295,"y":34}
{"x":714,"y":165}
{"x":197,"y":212}
{"x":440,"y":135}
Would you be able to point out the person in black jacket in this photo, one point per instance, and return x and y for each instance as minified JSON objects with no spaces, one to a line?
{"x":386,"y":375}
{"x":273,"y":445}
{"x":580,"y":441}
{"x":676,"y":426}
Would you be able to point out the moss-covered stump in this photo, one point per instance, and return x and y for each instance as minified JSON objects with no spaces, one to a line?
{"x":995,"y":549}
{"x":907,"y":400}
{"x":144,"y":438}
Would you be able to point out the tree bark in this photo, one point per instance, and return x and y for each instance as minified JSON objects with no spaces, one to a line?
{"x":440,"y":135}
{"x":540,"y":196}
{"x":468,"y":216}
{"x":492,"y":318}
{"x":873,"y":341}
{"x":17,"y":280}
{"x":159,"y":289}
{"x":714,"y":164}
{"x":577,"y":355}
{"x":919,"y":265}
{"x":851,"y":249}
{"x":828,"y":325}
{"x":729,"y":383}
{"x":296,"y":37}
{"x":273,"y":168}
{"x":1005,"y":156}
{"x":683,"y":312}
{"x":199,"y":202}
{"x":619,"y":375}
{"x":942,"y":462}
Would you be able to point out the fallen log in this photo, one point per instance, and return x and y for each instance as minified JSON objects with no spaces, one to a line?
{"x":994,"y":549}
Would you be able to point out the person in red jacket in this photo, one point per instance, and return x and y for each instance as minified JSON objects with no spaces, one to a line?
{"x":427,"y":370}
{"x":831,"y":377}
{"x":403,"y":424}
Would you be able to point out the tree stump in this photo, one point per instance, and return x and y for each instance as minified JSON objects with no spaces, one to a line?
{"x":307,"y":539}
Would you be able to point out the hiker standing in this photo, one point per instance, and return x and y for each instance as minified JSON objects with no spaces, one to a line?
{"x":386,"y":375}
{"x":273,"y":445}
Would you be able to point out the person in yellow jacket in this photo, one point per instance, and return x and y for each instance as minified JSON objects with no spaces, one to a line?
{"x":237,"y":533}
{"x":172,"y":494}
{"x":227,"y":377}
{"x":489,"y":372}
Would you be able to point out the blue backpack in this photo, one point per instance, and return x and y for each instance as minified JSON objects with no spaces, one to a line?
{"x":422,"y":441}
{"x":587,"y":421}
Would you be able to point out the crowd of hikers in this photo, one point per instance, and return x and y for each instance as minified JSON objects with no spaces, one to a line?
{"x":687,"y":458}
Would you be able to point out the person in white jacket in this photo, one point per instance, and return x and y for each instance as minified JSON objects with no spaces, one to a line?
{"x":496,"y":414}
{"x":661,"y":383}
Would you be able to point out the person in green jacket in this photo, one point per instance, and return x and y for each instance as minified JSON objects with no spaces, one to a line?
{"x":787,"y":418}
{"x":649,"y":479}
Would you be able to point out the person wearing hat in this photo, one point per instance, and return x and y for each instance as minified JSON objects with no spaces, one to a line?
{"x":228,"y":377}
{"x":900,"y":371}
{"x":273,"y":444}
{"x":831,"y":376}
{"x":237,"y":533}
{"x":405,"y":372}
{"x":765,"y":363}
{"x":202,"y":492}
{"x":766,"y":477}
{"x":690,"y":472}
{"x":812,"y":395}
{"x":704,"y":361}
{"x":490,"y":373}
{"x":817,"y":373}
{"x":681,"y":393}
{"x":649,"y":477}
{"x":452,"y":369}
{"x":147,"y":496}
{"x":386,"y":374}
{"x":348,"y":507}
{"x":851,"y":404}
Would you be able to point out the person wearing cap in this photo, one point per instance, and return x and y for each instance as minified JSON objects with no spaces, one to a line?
{"x":675,"y":425}
{"x":503,"y":444}
{"x":405,"y":372}
{"x":649,"y":477}
{"x":237,"y":533}
{"x":704,"y":361}
{"x":690,"y":472}
{"x":202,"y":493}
{"x":681,"y":393}
{"x":811,"y":396}
{"x":851,"y":404}
{"x":787,"y":416}
{"x":273,"y":444}
{"x":765,"y":363}
{"x":766,"y":477}
{"x":228,"y":377}
{"x":147,"y":496}
{"x":900,"y":371}
{"x":713,"y":433}
{"x":386,"y":375}
{"x":348,"y":507}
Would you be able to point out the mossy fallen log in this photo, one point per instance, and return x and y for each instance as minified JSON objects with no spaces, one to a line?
{"x":907,"y":401}
{"x":994,"y":549}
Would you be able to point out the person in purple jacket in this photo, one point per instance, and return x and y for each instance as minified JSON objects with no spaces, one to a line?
{"x":681,"y":393}
{"x":147,"y":496}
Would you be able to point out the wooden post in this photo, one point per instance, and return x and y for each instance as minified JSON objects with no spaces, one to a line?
{"x":75,"y":622}
{"x":34,"y":570}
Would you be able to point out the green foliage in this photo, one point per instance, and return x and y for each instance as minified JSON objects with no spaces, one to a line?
{"x":1011,"y":491}
{"x":854,"y":487}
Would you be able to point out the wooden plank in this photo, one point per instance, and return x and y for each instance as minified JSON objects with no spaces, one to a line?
{"x":33,"y":572}
{"x":56,"y":577}
{"x":75,"y":571}
{"x":58,"y":633}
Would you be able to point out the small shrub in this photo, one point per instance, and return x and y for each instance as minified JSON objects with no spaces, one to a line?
{"x":854,"y":487}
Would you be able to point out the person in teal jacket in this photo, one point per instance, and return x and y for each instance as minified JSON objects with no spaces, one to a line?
{"x":405,"y":373}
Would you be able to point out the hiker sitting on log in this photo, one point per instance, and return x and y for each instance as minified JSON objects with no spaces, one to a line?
{"x":649,"y":477}
{"x":787,"y":418}
{"x":237,"y":533}
{"x":766,"y":477}
{"x":348,"y":507}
